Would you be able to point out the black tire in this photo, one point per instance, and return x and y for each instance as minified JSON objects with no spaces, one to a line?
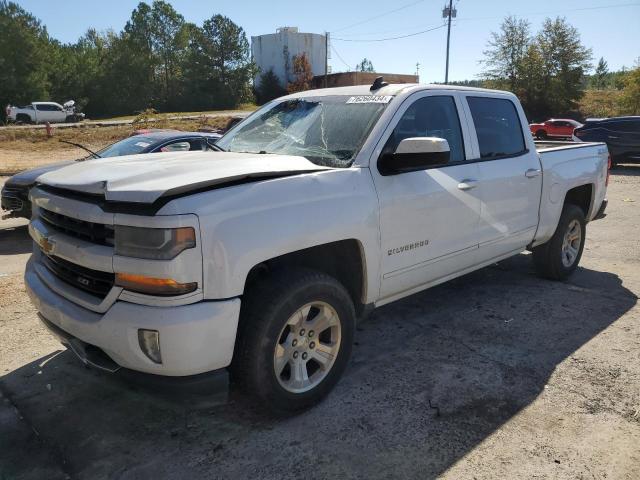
{"x":548,"y":257}
{"x":541,"y":135}
{"x":264,"y":313}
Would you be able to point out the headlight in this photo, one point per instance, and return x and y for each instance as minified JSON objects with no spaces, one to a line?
{"x":153,"y":243}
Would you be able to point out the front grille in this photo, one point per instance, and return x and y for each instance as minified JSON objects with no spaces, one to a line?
{"x":89,"y":231}
{"x":92,"y":281}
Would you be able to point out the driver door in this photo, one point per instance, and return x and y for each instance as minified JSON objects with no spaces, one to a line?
{"x":428,"y":218}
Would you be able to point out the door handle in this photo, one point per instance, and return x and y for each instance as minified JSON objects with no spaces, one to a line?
{"x":467,"y":184}
{"x":532,"y":172}
{"x":613,"y":136}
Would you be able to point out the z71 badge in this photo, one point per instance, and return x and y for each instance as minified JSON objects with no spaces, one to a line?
{"x":408,"y":247}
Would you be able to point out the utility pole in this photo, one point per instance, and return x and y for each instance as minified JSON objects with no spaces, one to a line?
{"x":326,"y":57}
{"x":418,"y":70}
{"x":448,"y":12}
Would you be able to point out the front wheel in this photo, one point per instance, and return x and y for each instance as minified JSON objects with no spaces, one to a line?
{"x":559,"y":257}
{"x":541,"y":135}
{"x":295,"y":340}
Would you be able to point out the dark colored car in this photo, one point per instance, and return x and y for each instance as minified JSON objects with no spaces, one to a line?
{"x":15,"y":193}
{"x":621,"y":134}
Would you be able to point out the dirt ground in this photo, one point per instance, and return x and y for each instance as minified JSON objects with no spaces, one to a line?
{"x":496,"y":375}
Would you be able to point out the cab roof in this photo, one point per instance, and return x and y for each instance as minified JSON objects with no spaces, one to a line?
{"x":391,"y":89}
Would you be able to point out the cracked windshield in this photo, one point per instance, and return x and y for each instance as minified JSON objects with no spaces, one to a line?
{"x":328,"y":130}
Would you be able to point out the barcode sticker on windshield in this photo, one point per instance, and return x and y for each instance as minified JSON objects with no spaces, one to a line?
{"x":370,"y":99}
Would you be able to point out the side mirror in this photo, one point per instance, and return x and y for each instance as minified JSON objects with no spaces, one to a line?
{"x":413,"y":154}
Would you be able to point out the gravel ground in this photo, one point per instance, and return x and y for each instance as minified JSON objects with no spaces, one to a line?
{"x":495,"y":375}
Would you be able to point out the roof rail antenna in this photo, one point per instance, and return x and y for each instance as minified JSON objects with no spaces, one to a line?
{"x":378,"y":83}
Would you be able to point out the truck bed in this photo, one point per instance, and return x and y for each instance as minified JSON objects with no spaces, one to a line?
{"x":546,"y":145}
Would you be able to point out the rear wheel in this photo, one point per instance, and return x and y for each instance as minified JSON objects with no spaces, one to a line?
{"x":295,"y":341}
{"x":541,"y":135}
{"x":559,"y":257}
{"x":23,"y":118}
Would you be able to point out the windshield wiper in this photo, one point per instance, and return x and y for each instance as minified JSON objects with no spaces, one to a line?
{"x":213,"y":146}
{"x":82,"y":147}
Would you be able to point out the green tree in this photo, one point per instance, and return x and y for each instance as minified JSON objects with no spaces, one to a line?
{"x":600,"y":75}
{"x":630,"y":99}
{"x":365,"y":66}
{"x":220,"y":66}
{"x":268,"y":87}
{"x":169,"y":36}
{"x":507,"y":49}
{"x":532,"y":84}
{"x":24,"y":57}
{"x":565,"y":62}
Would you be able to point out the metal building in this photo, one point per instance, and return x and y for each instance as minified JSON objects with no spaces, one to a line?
{"x":276,"y":51}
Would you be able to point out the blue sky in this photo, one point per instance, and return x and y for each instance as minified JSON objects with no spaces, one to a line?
{"x":609,"y":27}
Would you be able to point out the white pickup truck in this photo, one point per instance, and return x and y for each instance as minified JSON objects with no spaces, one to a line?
{"x":42,"y":112}
{"x":320,"y":206}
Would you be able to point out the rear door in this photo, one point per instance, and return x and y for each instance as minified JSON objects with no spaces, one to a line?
{"x":510,"y":176}
{"x":428,"y":218}
{"x":564,"y":128}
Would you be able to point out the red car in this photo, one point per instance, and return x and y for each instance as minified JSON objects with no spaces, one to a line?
{"x":554,"y":127}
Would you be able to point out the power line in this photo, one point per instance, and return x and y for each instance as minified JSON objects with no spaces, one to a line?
{"x":556,"y":11}
{"x":378,"y":16}
{"x":389,"y":38}
{"x":340,"y":57}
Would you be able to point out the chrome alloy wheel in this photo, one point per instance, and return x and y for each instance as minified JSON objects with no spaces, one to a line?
{"x":307,"y":347}
{"x":571,"y":243}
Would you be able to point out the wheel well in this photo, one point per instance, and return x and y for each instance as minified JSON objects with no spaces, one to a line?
{"x":343,"y":260}
{"x":581,"y":197}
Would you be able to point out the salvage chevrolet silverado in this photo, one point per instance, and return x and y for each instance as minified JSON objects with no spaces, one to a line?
{"x":258,"y":259}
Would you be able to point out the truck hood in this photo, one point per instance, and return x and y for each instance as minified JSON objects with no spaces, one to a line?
{"x":28,"y":177}
{"x":146,"y":178}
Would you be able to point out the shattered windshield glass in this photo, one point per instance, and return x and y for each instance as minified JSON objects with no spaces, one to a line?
{"x":328,"y":131}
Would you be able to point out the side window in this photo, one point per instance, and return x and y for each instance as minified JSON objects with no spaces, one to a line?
{"x":497,"y":126}
{"x":197,"y":145}
{"x":627,"y":126}
{"x":181,"y":146}
{"x":41,"y":108}
{"x":430,"y":117}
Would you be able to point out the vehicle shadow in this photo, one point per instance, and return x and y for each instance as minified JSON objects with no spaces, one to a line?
{"x":629,"y":169}
{"x":15,"y":240}
{"x":431,"y":377}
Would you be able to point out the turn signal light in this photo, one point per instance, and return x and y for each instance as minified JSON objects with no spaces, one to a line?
{"x":153,"y":286}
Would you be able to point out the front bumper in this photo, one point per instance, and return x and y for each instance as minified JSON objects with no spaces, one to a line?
{"x":194,"y":338}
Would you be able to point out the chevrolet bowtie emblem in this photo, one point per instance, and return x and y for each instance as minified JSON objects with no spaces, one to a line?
{"x":46,"y":245}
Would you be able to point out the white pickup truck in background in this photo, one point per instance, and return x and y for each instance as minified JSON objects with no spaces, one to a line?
{"x":42,"y":112}
{"x":318,"y":207}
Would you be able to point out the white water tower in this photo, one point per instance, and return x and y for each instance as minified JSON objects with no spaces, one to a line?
{"x":276,"y":51}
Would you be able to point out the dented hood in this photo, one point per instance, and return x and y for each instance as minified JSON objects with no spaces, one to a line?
{"x":146,"y":178}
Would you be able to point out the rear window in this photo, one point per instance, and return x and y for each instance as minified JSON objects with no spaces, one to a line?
{"x":497,"y":126}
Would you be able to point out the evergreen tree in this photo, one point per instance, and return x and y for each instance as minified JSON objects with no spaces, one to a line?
{"x":600,"y":75}
{"x":365,"y":66}
{"x":269,"y":87}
